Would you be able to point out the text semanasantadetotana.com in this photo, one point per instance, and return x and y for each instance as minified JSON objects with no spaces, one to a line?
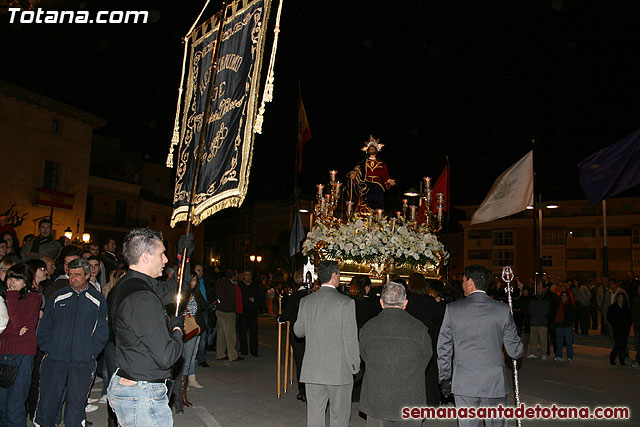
{"x":552,"y":412}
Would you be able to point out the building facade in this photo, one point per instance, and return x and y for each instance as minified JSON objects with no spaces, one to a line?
{"x":125,"y":192}
{"x":46,"y":147}
{"x":572,"y":240}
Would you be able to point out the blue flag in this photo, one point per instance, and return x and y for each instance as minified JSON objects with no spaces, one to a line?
{"x":611,"y":170}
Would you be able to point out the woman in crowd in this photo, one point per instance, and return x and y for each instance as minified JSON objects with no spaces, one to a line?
{"x":565,"y":316}
{"x":3,"y":249}
{"x":18,"y":343}
{"x":619,"y":317}
{"x":194,"y":308}
{"x":6,"y":263}
{"x":39,"y":270}
{"x":13,"y":245}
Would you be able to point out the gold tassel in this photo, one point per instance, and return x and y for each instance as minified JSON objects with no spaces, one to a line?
{"x":268,"y":87}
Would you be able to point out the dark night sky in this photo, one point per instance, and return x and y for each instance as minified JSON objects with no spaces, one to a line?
{"x":474,"y":80}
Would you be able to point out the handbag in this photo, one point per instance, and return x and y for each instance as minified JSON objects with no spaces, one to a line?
{"x":7,"y":375}
{"x":191,"y":328}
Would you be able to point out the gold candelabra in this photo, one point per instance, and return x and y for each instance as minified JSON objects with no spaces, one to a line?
{"x":327,"y":203}
{"x":433,"y":222}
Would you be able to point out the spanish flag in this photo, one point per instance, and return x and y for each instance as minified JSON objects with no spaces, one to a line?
{"x":304,"y":131}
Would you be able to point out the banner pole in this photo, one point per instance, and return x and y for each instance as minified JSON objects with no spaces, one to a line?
{"x":286,"y":359}
{"x":196,"y":155}
{"x":291,"y":364}
{"x":279,"y":359}
{"x":279,"y":347}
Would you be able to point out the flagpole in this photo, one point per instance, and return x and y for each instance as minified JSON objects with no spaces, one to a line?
{"x":536,"y":250}
{"x":448,"y":165}
{"x":296,"y":172}
{"x":448,"y":205}
{"x":605,"y":249}
{"x":201,"y":144}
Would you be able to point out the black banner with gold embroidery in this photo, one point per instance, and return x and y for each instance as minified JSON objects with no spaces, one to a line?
{"x":226,"y":159}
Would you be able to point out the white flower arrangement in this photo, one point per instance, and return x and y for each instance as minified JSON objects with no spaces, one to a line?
{"x":383,"y":240}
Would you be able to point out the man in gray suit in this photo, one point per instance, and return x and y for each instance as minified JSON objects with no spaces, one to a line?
{"x":396,"y":349}
{"x":470,"y":343}
{"x":328,"y":321}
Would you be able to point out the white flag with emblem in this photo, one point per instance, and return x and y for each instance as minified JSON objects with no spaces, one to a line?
{"x":511,"y":193}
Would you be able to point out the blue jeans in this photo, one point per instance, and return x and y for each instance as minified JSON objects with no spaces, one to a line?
{"x":109,"y":365}
{"x":142,"y":404}
{"x":201,"y":356}
{"x":564,"y":334}
{"x":189,"y":355}
{"x":13,"y":398}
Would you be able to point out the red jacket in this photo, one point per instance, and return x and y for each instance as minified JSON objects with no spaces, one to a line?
{"x":238,"y":299}
{"x":22,"y":312}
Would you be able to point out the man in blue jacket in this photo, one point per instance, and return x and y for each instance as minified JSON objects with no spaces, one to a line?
{"x":71,"y":333}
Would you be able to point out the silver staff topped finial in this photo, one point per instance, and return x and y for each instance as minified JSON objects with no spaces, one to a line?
{"x":508,"y":276}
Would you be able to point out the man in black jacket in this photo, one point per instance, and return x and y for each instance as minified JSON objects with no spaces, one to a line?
{"x":147,"y":345}
{"x":290,"y":314}
{"x":248,"y":320}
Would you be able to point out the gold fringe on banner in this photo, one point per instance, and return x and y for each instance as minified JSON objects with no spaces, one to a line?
{"x":268,"y":87}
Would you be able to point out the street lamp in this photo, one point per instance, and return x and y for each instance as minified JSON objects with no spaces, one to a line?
{"x":252,"y":258}
{"x":259,"y":258}
{"x":86,"y":237}
{"x":68,"y":233}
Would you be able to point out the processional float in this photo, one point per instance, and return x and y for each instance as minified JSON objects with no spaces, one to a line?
{"x":376,"y":245}
{"x":379,"y":246}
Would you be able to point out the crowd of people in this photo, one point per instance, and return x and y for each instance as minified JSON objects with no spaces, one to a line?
{"x":549,"y":317}
{"x":67,"y":321}
{"x":543,"y":323}
{"x":405,"y":344}
{"x":71,"y":316}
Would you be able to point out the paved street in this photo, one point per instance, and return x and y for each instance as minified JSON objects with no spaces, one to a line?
{"x":244,"y":394}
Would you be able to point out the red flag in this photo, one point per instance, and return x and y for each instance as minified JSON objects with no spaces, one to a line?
{"x":304,"y":131}
{"x":441,"y":187}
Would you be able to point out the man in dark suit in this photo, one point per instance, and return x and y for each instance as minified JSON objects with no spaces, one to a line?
{"x":290,"y":314}
{"x":328,"y":321}
{"x":396,"y":349}
{"x":470,"y":343}
{"x":248,"y":320}
{"x":109,"y":257}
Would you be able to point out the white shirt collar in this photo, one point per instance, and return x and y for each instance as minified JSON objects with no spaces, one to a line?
{"x":477,"y":290}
